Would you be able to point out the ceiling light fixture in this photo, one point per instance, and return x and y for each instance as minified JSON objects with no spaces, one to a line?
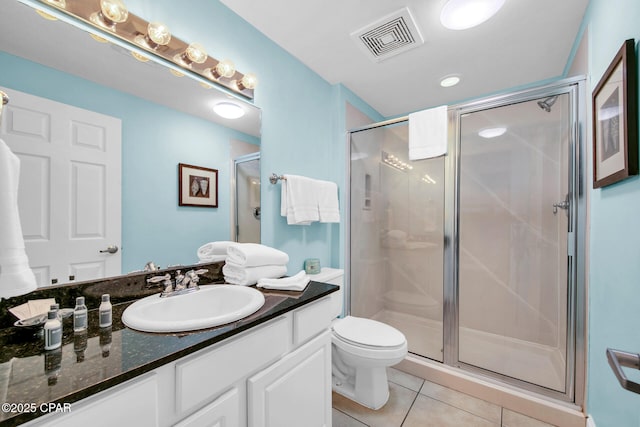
{"x":157,"y":35}
{"x":228,"y":110}
{"x":492,"y":132}
{"x":112,"y":12}
{"x":110,"y":21}
{"x":450,"y":80}
{"x":463,"y":14}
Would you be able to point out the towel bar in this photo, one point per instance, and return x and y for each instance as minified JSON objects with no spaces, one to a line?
{"x":617,"y":359}
{"x":274,"y":178}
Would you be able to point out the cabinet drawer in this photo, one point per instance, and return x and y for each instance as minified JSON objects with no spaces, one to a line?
{"x":207,"y":374}
{"x":310,"y":320}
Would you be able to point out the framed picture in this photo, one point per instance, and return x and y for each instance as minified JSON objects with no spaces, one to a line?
{"x":615,"y":120}
{"x":197,"y":186}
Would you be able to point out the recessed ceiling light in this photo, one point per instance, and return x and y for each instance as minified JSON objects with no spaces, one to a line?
{"x":463,"y":14}
{"x":228,"y":110}
{"x":448,"y":81}
{"x":492,"y":132}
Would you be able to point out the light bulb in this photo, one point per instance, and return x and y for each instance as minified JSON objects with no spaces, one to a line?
{"x":224,"y":68}
{"x":249,"y":81}
{"x":196,"y":53}
{"x":114,"y":10}
{"x":158,"y":33}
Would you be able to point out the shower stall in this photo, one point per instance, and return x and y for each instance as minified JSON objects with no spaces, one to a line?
{"x":477,"y":256}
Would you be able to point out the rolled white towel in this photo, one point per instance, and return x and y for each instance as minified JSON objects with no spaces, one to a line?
{"x":297,"y":282}
{"x":214,"y":251}
{"x":247,"y":276}
{"x":255,"y":254}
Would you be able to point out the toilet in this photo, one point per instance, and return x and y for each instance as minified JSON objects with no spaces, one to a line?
{"x":361,"y":350}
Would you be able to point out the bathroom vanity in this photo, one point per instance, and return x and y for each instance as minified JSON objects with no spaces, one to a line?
{"x":272,"y":368}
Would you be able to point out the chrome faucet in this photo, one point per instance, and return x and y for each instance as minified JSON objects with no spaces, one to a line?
{"x":183,"y":283}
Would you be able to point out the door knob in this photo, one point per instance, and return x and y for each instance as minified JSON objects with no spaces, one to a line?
{"x":112,"y":249}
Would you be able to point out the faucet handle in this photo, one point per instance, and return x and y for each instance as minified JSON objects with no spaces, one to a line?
{"x":166,"y":282}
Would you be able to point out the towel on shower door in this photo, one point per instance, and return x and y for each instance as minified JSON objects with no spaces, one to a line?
{"x":16,"y":277}
{"x":428,"y":133}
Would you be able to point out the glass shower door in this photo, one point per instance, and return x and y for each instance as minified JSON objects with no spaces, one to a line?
{"x":514,"y":219}
{"x":397,"y":237}
{"x":247,"y":209}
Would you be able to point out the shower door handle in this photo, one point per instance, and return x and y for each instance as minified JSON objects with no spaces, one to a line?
{"x":617,"y":359}
{"x":561,"y":205}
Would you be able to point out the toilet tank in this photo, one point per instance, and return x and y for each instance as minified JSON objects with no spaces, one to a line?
{"x":333,"y":276}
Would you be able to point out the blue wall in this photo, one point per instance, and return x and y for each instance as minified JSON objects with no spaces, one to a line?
{"x":614,"y":276}
{"x":302,"y":119}
{"x":154,"y":140}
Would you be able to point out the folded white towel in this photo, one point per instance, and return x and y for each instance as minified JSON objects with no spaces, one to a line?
{"x":255,"y":254}
{"x":247,"y":276}
{"x":16,"y":278}
{"x":297,"y":282}
{"x":214,"y":251}
{"x":328,"y":208}
{"x":428,"y":133}
{"x":298,"y":200}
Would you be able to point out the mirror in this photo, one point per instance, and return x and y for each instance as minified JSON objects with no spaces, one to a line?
{"x":163,"y":119}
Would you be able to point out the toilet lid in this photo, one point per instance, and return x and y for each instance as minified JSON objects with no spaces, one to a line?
{"x":368,"y":332}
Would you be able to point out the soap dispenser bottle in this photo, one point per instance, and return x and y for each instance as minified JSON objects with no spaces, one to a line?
{"x":80,"y":315}
{"x":52,"y":331}
{"x":104,"y":312}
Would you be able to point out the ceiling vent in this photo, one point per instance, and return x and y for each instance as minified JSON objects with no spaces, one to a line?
{"x":389,"y":36}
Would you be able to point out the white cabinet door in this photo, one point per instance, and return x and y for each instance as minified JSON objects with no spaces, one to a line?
{"x":222,"y":412}
{"x":69,"y":193}
{"x":296,"y":391}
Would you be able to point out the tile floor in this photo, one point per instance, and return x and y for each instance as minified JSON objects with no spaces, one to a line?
{"x":414,"y":402}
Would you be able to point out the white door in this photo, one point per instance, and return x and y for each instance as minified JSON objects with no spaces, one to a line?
{"x":69,"y":193}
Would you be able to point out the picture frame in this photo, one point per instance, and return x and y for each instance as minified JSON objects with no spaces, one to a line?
{"x":197,"y":186}
{"x":615,"y":120}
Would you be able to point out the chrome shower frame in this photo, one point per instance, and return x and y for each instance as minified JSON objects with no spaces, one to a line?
{"x":575,"y":381}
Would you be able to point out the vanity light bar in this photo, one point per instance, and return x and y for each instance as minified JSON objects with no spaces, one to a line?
{"x":134,"y":29}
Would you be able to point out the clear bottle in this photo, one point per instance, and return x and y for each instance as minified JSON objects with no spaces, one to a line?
{"x":52,"y":331}
{"x":79,"y":315}
{"x":56,"y":308}
{"x":105,"y":312}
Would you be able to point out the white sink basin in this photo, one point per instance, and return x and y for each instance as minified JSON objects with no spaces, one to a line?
{"x":212,"y":305}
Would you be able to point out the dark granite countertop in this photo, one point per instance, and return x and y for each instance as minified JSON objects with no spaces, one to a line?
{"x":101,"y":358}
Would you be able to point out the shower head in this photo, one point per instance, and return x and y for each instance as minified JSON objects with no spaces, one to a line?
{"x":547,"y":103}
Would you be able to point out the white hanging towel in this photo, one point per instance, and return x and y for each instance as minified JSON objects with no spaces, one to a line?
{"x":328,"y":208}
{"x":428,"y":133}
{"x":299,"y":200}
{"x":16,"y":278}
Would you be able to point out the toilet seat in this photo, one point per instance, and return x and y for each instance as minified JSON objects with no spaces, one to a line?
{"x":368,"y":333}
{"x":381,"y":341}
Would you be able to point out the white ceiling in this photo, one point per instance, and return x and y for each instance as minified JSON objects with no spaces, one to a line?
{"x":525,"y":42}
